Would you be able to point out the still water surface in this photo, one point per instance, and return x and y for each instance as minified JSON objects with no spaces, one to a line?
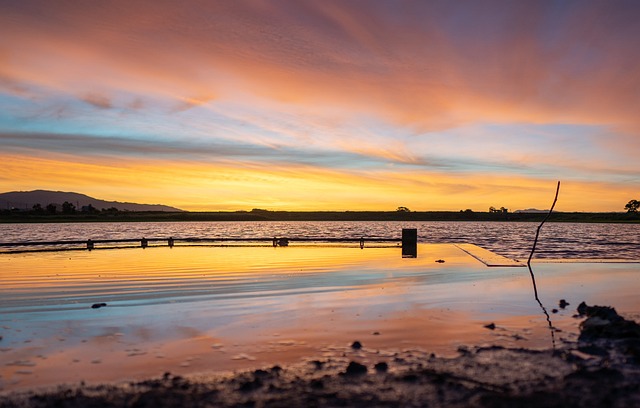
{"x":512,"y":239}
{"x":192,"y":309}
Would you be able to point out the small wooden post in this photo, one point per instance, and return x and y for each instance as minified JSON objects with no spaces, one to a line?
{"x":361,"y":242}
{"x":409,"y":242}
{"x":171,"y":242}
{"x":144,"y":243}
{"x":89,"y":244}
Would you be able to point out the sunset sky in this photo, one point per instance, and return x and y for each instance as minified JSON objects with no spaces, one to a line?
{"x":335,"y":105}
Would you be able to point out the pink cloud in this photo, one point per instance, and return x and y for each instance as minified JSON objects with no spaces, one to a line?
{"x":431,"y":66}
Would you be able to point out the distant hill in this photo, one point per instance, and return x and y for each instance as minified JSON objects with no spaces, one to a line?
{"x":531,"y":211}
{"x":25,"y":200}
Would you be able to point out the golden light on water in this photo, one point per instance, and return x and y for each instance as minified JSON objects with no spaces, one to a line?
{"x":199,"y":308}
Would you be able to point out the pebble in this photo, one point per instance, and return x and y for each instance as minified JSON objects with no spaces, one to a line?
{"x":490,"y":326}
{"x":356,"y":345}
{"x":356,"y":369}
{"x":381,"y":367}
{"x":98,"y":305}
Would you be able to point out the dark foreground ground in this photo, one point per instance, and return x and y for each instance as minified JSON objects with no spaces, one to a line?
{"x":601,"y":370}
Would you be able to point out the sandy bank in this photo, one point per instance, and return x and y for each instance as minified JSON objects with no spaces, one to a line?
{"x":601,"y":369}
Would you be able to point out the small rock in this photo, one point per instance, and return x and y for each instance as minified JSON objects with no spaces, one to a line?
{"x":563,"y":303}
{"x":98,"y":305}
{"x":374,"y":333}
{"x":248,"y":386}
{"x":381,"y":367}
{"x":490,"y":326}
{"x":440,"y":260}
{"x":276,"y":369}
{"x":554,"y":310}
{"x":260,"y":373}
{"x":356,"y":345}
{"x":356,"y":369}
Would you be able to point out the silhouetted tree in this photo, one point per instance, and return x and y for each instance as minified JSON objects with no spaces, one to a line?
{"x":52,"y":208}
{"x":88,"y":209}
{"x":68,"y":208}
{"x":632,"y":206}
{"x":403,"y":209}
{"x":37,"y":208}
{"x":110,"y":210}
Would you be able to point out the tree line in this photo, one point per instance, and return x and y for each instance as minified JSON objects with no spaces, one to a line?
{"x":69,"y":208}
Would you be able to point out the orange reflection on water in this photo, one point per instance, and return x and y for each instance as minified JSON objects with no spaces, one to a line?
{"x":197,"y":309}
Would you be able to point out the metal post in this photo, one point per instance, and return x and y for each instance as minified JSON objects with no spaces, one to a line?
{"x":409,"y":242}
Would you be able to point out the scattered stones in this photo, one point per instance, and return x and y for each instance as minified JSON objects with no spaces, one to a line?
{"x":381,"y":367}
{"x":490,"y":326}
{"x":563,"y":303}
{"x":354,"y":369}
{"x":98,"y":305}
{"x":356,"y":345}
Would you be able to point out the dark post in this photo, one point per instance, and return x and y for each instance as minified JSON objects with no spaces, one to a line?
{"x":361,"y":242}
{"x":409,"y":242}
{"x":143,"y":242}
{"x":89,"y":244}
{"x":171,"y":242}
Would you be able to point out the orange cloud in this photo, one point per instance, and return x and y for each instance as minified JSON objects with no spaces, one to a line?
{"x":417,"y":66}
{"x":322,"y":79}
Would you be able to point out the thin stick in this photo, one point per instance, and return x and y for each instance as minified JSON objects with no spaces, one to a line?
{"x":535,"y":242}
{"x":533,"y":278}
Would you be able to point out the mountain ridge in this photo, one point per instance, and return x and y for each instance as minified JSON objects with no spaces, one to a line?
{"x":25,"y":200}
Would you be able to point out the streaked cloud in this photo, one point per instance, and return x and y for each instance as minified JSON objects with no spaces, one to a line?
{"x":519,"y":92}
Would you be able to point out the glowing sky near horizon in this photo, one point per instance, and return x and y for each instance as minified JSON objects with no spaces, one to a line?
{"x":310,"y":105}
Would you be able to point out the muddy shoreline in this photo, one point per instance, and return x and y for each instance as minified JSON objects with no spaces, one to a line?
{"x":601,"y":369}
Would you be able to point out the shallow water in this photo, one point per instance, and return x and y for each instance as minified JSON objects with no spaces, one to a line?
{"x":511,"y":239}
{"x":195,"y":309}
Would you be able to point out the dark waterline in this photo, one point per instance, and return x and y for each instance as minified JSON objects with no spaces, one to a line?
{"x":512,"y":239}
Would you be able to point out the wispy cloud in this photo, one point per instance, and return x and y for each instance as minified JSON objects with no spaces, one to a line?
{"x":97,"y":100}
{"x":535,"y":90}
